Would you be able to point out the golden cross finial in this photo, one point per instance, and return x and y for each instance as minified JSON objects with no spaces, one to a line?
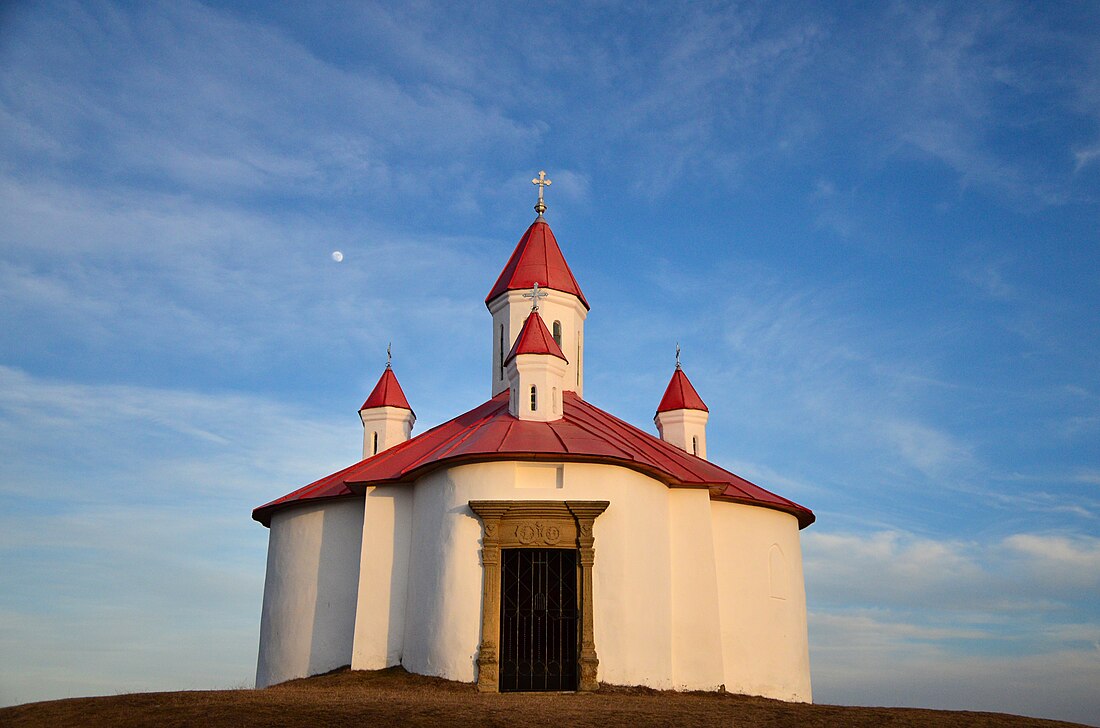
{"x":542,"y":182}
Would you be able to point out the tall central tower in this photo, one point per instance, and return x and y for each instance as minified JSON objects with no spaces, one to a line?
{"x":538,"y":259}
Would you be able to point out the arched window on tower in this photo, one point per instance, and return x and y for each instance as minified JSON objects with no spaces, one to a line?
{"x":557,"y":332}
{"x":534,"y":398}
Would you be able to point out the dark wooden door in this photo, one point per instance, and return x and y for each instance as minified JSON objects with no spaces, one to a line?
{"x":538,"y":619}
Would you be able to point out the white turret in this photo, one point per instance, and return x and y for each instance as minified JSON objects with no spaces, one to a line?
{"x":682,"y":417}
{"x":387,"y":417}
{"x":536,"y":369}
{"x":538,"y":259}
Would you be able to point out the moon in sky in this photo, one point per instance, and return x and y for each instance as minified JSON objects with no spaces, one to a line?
{"x":337,"y":256}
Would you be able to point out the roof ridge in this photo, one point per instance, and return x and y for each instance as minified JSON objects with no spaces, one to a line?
{"x":556,"y":434}
{"x":656,"y":444}
{"x":442,"y":447}
{"x":651,"y":442}
{"x":591,"y":427}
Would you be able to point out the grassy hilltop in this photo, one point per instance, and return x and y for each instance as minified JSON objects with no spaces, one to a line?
{"x":395,"y":698}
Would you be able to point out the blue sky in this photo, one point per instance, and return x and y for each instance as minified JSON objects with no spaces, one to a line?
{"x":874,"y":228}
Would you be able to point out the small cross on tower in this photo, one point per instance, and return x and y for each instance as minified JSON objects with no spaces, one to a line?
{"x":542,"y":182}
{"x":535,"y":295}
{"x":678,"y":355}
{"x":389,"y":355}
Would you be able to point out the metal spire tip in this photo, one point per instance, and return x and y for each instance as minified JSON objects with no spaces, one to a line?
{"x":542,"y":182}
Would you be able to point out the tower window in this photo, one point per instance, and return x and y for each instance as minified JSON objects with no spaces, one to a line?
{"x":374,"y":444}
{"x":554,"y":399}
{"x":557,"y":332}
{"x":501,"y":349}
{"x":695,"y":446}
{"x":534,"y":398}
{"x":579,"y":335}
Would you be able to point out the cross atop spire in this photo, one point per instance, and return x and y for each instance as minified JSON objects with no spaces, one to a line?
{"x":535,"y":295}
{"x":678,"y":355}
{"x":542,"y":182}
{"x":389,"y":355}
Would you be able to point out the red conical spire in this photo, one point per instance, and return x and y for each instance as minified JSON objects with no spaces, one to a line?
{"x":387,"y":393}
{"x":680,"y":394}
{"x":537,"y":258}
{"x":535,"y":338}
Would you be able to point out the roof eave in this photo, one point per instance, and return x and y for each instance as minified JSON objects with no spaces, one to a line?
{"x":804,"y":516}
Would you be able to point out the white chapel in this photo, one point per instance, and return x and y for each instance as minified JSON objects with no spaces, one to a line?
{"x":537,"y":542}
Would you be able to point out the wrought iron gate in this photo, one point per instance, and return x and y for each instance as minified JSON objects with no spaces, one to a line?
{"x":538,"y":619}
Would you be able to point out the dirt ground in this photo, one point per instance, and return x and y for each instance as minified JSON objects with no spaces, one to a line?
{"x":395,"y":698}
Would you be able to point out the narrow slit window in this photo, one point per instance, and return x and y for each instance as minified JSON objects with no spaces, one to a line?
{"x":554,"y":400}
{"x":534,"y":398}
{"x":557,"y":332}
{"x":374,"y":444}
{"x":500,"y":374}
{"x":695,"y":446}
{"x":578,"y":362}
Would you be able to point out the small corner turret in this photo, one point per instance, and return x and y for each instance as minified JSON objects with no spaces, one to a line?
{"x":563,"y":307}
{"x":535,"y":368}
{"x":682,"y":416}
{"x":386,"y":415}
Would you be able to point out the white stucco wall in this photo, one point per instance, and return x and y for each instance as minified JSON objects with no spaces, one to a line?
{"x":763,"y":601}
{"x":688,"y":593}
{"x":633,"y":602}
{"x":383,"y":577}
{"x":308,"y":615}
{"x":696,"y":626}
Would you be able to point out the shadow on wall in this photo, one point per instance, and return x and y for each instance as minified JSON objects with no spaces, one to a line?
{"x":399,"y":572}
{"x":341,"y":532}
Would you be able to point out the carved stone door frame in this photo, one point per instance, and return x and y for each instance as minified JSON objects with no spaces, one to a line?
{"x":534,"y":524}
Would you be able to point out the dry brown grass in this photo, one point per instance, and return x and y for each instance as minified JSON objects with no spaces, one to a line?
{"x":394,"y":697}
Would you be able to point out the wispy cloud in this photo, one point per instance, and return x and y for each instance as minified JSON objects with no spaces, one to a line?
{"x":939,"y":610}
{"x":897,"y":568}
{"x":928,"y":668}
{"x":289,"y":118}
{"x":127,"y":535}
{"x":988,"y":279}
{"x":1086,"y":157}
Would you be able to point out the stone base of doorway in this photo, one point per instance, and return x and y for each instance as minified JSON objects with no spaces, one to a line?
{"x":395,"y":697}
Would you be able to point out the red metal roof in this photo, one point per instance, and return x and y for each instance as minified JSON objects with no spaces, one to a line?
{"x":680,"y":394}
{"x":585,"y":433}
{"x":535,"y":338}
{"x":537,"y":259}
{"x":387,"y":393}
